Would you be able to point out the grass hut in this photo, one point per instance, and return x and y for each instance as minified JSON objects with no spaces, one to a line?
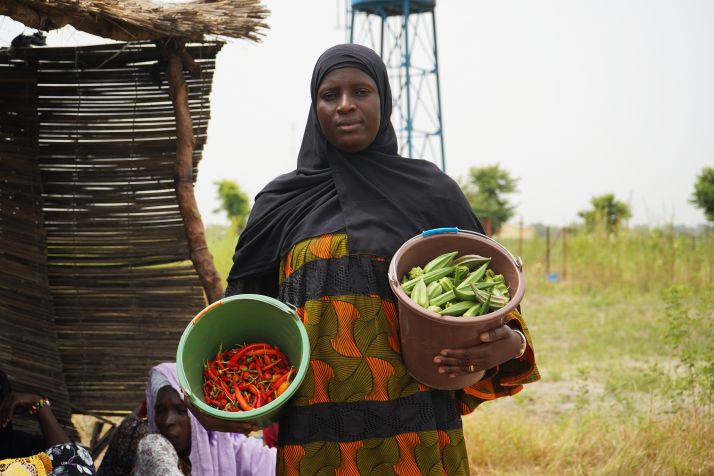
{"x":103,"y":257}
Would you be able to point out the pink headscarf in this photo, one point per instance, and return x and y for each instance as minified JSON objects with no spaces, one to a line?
{"x":212,"y":452}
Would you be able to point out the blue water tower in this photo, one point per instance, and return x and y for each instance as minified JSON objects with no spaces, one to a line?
{"x":403,"y":32}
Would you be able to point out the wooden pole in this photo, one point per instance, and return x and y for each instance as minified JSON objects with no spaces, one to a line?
{"x":520,"y":237}
{"x":183,"y":174}
{"x":547,"y":250}
{"x":565,"y":253}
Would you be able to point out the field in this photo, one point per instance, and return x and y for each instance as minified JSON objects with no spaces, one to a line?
{"x":626,"y":349}
{"x":625,"y":345}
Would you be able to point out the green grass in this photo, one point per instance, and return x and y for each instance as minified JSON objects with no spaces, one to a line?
{"x":625,"y":345}
{"x":221,"y":243}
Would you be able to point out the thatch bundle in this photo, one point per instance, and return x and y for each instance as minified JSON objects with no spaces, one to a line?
{"x":131,"y":20}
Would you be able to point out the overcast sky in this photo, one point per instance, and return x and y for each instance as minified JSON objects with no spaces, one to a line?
{"x":575,"y":99}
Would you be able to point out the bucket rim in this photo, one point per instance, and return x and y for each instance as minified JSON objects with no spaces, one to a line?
{"x":404,"y":300}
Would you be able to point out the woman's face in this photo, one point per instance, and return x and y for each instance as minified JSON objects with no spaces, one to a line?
{"x":172,"y":420}
{"x":348,"y":109}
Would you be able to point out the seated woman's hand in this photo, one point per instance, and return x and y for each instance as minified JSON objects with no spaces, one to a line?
{"x":16,"y":403}
{"x":212,"y":423}
{"x":497,"y":345}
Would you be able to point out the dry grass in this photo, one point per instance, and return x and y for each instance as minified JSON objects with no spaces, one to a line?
{"x":517,"y":441}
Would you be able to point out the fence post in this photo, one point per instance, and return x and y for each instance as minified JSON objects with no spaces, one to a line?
{"x":565,"y":253}
{"x":520,"y":237}
{"x":547,"y":250}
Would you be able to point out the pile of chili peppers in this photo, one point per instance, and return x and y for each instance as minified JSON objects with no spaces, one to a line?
{"x":246,"y":377}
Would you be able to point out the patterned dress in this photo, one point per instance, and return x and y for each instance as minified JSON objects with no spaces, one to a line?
{"x":358,"y":411}
{"x":64,"y":459}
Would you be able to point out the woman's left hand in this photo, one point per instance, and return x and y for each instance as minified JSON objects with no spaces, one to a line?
{"x":497,"y":346}
{"x":211,"y":423}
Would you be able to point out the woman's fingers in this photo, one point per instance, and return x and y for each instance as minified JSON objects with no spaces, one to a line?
{"x":471,"y":359}
{"x":216,"y":424}
{"x":495,"y":334}
{"x":496,"y":347}
{"x":465,"y":363}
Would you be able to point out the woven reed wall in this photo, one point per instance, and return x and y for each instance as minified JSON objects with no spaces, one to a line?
{"x":122,"y":286}
{"x":28,"y":337}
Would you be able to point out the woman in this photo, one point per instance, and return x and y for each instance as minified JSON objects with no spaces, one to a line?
{"x":179,"y":446}
{"x":19,"y":453}
{"x":321,"y":238}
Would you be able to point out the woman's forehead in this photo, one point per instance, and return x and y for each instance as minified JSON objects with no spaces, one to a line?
{"x":346,"y":74}
{"x":167,"y":394}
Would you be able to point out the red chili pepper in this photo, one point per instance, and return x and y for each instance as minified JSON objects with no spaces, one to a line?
{"x":239,"y":397}
{"x":245,"y":378}
{"x":246,"y":349}
{"x":273,"y":364}
{"x":211,"y":373}
{"x":269,"y":351}
{"x":282,"y":379}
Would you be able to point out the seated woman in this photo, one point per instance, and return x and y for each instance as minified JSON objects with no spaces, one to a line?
{"x":61,"y":456}
{"x":179,"y":445}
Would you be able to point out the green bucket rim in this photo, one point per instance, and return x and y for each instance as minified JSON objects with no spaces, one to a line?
{"x":257,"y":413}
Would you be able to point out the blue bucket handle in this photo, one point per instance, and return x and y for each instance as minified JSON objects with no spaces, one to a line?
{"x":438,"y":231}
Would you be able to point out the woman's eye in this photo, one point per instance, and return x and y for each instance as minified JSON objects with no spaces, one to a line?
{"x":329,"y":96}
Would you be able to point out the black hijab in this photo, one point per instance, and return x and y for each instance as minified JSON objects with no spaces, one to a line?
{"x":379,"y":198}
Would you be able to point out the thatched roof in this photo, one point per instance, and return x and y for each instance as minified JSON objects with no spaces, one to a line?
{"x":131,"y":20}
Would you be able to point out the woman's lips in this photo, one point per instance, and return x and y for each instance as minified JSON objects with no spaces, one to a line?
{"x":348,"y":126}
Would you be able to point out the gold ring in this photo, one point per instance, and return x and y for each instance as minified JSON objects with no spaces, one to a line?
{"x":472,"y":369}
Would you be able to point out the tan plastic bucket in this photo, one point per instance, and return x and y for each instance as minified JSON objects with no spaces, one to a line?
{"x":423,"y":334}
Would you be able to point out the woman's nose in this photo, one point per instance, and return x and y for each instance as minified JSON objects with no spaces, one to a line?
{"x":172,"y":418}
{"x":345,"y":103}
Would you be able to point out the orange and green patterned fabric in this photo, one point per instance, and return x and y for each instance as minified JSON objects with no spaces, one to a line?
{"x":358,"y":411}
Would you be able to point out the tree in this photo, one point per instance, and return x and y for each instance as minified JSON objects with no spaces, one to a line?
{"x":606,"y":211}
{"x":703,"y":196}
{"x":484,"y":190}
{"x":234,"y":202}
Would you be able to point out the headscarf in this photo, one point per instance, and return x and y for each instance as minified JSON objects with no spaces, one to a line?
{"x":212,"y":452}
{"x":377,"y":196}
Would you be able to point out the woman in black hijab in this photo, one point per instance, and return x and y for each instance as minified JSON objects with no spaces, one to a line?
{"x":321,"y":238}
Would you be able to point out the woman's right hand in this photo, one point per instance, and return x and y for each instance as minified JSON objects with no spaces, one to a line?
{"x":211,"y":423}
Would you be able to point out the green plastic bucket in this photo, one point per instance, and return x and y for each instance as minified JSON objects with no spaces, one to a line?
{"x":241,"y":319}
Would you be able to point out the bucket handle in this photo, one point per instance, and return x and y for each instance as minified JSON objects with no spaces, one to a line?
{"x":438,"y":231}
{"x":294,"y":309}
